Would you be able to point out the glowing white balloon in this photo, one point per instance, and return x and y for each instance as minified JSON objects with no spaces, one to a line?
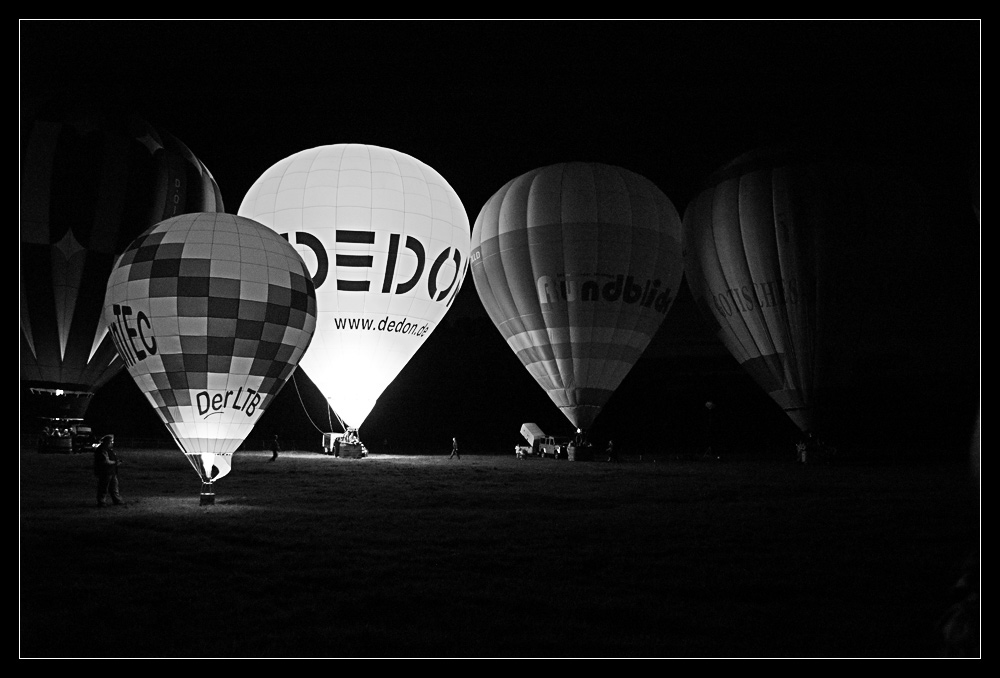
{"x":388,"y":241}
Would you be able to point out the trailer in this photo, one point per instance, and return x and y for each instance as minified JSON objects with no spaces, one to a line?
{"x":541,"y":445}
{"x":553,"y":447}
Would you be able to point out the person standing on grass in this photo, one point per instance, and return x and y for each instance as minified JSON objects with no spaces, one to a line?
{"x":275,"y":448}
{"x":106,"y":470}
{"x":454,"y":449}
{"x":612,"y":453}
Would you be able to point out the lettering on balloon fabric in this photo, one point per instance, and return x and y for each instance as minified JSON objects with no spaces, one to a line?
{"x":604,"y":288}
{"x":132,"y":337}
{"x":243,"y":400}
{"x":348,"y":260}
{"x":756,"y":296}
{"x":403,"y":326}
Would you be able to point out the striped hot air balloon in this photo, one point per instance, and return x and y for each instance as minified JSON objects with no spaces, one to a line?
{"x":577,"y":264}
{"x":819,"y":270}
{"x":92,"y":179}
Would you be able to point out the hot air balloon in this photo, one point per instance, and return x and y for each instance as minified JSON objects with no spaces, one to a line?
{"x":387,"y":240}
{"x":817,"y":271}
{"x":92,"y":179}
{"x":211,"y":313}
{"x":577,"y":264}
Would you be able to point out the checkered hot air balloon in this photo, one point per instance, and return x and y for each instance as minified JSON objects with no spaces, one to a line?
{"x":211,"y":313}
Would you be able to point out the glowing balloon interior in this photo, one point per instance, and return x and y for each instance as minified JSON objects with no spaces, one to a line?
{"x":92,"y":180}
{"x":211,"y":313}
{"x":577,"y":264}
{"x":387,"y":240}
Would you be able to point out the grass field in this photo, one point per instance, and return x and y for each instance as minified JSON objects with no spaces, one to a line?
{"x":491,"y":556}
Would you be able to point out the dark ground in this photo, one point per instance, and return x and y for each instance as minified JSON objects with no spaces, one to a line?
{"x":489,"y":556}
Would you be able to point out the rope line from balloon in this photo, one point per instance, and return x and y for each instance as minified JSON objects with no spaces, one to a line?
{"x":306,"y":410}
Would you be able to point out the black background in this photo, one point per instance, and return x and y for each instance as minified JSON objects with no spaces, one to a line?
{"x":485,"y":101}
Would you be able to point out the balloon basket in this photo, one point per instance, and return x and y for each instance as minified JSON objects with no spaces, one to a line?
{"x":207,"y":494}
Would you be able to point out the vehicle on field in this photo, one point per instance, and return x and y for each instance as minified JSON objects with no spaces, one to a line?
{"x":541,"y":445}
{"x":65,"y":435}
{"x":346,"y":444}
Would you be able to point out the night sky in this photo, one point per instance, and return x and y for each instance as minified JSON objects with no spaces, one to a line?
{"x":483,"y":102}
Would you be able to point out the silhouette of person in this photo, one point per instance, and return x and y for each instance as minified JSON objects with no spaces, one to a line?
{"x":612,"y":453}
{"x":454,"y":449}
{"x":106,"y":470}
{"x":275,"y":448}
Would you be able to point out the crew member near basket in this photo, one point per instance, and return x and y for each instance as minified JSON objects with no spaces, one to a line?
{"x":106,"y":470}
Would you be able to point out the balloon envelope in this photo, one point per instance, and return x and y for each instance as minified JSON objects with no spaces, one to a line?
{"x":387,"y":240}
{"x":211,"y":313}
{"x":577,"y":264}
{"x":91,"y":180}
{"x":808,"y":266}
